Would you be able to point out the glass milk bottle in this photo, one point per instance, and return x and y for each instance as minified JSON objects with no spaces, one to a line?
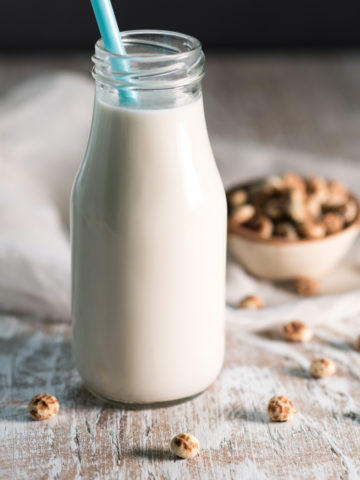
{"x":148,"y":229}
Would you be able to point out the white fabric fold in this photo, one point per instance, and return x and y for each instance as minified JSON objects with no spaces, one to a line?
{"x":44,"y":125}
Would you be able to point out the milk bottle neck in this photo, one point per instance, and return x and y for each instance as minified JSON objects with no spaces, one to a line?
{"x":161,"y":70}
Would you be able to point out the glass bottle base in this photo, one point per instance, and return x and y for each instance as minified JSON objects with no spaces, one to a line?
{"x":145,"y":405}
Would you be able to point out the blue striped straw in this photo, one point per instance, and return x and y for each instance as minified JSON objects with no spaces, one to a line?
{"x":111,"y":36}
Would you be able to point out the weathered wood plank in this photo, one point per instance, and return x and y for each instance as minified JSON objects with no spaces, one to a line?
{"x":89,"y":440}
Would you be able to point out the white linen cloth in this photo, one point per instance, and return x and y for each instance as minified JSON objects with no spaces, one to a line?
{"x":44,"y":127}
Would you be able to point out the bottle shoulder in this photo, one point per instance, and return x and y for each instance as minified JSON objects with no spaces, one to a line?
{"x":155,"y":156}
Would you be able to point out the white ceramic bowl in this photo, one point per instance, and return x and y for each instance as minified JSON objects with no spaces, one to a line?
{"x":280,"y":259}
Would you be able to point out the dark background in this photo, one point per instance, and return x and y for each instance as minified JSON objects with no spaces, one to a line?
{"x":230,"y":24}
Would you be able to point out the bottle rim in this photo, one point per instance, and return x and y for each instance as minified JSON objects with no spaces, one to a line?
{"x":156,"y":59}
{"x":191,"y":44}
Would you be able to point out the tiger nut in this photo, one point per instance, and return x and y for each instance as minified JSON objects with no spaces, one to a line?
{"x":260,"y":192}
{"x":262,"y":225}
{"x":296,"y":331}
{"x":236,"y":198}
{"x":243,"y":213}
{"x":334,"y":222}
{"x":322,"y":367}
{"x":297,"y":211}
{"x":338,"y":194}
{"x":251,"y":302}
{"x":272,"y":184}
{"x":280,"y":409}
{"x":318,"y":188}
{"x":185,"y":445}
{"x":312,"y":229}
{"x":43,"y":406}
{"x":274,"y":208}
{"x":294,"y":181}
{"x":306,"y":286}
{"x":313,"y":206}
{"x":286,"y":230}
{"x":349,"y":211}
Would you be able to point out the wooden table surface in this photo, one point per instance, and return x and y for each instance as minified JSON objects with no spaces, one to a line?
{"x":89,"y":440}
{"x":303,"y":103}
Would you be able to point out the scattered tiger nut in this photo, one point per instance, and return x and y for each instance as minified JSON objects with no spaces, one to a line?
{"x":236,"y":198}
{"x":322,"y":367}
{"x":334,"y":222}
{"x":262,"y":225}
{"x":185,"y":445}
{"x":43,"y":406}
{"x":280,"y":409}
{"x":296,"y":331}
{"x":349,"y":211}
{"x":312,"y":229}
{"x":338,"y":194}
{"x":306,"y":286}
{"x":286,"y":230}
{"x":243,"y":213}
{"x":251,"y":302}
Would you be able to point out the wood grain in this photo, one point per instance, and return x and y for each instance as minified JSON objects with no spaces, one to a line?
{"x":89,"y":439}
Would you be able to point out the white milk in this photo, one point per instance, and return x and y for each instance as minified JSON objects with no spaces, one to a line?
{"x":149,"y":229}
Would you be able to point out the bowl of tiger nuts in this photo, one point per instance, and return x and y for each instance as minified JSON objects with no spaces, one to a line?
{"x":284,"y":227}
